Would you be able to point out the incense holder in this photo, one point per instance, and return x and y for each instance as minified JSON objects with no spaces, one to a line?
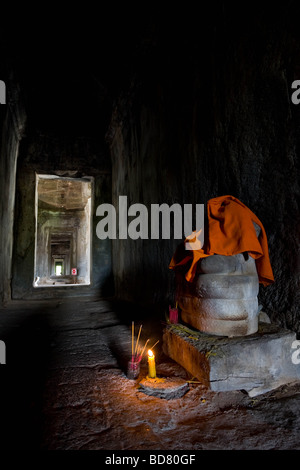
{"x":133,"y":370}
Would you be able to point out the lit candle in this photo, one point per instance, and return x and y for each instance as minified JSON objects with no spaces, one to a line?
{"x":151,"y":364}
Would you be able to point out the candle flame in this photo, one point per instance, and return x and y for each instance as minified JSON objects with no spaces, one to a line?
{"x":150,"y":353}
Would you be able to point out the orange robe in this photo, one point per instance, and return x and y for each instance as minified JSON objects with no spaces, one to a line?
{"x":230,"y":231}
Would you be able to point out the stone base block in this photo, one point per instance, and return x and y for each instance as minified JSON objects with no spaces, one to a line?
{"x":168,"y":388}
{"x":256,"y":363}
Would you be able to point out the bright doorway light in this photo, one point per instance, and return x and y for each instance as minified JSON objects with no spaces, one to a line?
{"x":58,"y":268}
{"x":63,"y":210}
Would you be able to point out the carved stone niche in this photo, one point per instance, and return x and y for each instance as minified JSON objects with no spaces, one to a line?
{"x":222,"y":298}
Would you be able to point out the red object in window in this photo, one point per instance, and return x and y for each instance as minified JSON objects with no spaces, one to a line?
{"x":74,"y":271}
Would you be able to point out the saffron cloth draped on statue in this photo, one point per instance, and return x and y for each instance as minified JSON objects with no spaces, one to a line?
{"x":230,"y":231}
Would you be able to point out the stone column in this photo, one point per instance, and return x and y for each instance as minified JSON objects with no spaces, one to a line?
{"x":11,"y":134}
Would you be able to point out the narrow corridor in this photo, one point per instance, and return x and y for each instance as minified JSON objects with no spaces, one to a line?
{"x":64,"y":387}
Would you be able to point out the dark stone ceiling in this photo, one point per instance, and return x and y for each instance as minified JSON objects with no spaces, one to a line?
{"x":73,"y":62}
{"x":70,"y":65}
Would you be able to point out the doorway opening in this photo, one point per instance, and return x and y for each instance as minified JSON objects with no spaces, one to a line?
{"x":59,"y":267}
{"x":63,"y":210}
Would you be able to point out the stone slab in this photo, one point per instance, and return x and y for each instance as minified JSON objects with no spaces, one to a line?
{"x":256,"y":363}
{"x":164,"y":387}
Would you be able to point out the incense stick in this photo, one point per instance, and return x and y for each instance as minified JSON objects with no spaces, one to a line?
{"x":132,"y":338}
{"x":154,"y":344}
{"x":137,"y":341}
{"x":144,"y":348}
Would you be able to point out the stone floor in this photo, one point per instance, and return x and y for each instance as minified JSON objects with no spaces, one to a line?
{"x":64,"y":387}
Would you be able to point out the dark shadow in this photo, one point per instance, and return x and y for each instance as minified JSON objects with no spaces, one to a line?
{"x":118,"y":351}
{"x":107,"y":286}
{"x":151,"y":317}
{"x":22,"y":381}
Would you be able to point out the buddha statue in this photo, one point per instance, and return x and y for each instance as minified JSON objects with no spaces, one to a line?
{"x":217,"y":286}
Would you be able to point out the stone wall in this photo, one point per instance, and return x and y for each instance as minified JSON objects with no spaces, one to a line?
{"x":44,"y":153}
{"x":12,"y":122}
{"x":209,"y":113}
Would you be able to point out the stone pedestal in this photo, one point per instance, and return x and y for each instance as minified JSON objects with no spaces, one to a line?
{"x":256,"y":363}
